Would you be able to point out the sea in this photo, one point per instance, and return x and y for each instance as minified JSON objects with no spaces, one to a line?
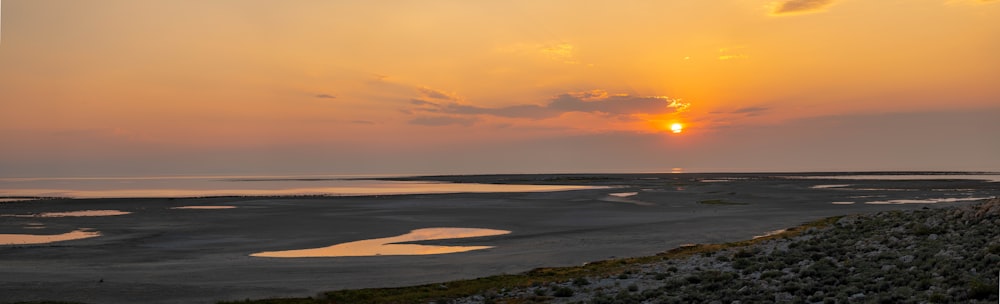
{"x":13,"y":189}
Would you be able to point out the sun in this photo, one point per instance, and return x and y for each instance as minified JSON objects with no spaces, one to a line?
{"x":676,"y":127}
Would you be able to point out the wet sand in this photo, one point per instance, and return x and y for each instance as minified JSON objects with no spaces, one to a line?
{"x":160,"y":254}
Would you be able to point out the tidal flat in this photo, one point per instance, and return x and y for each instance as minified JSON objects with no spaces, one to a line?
{"x":159,"y":253}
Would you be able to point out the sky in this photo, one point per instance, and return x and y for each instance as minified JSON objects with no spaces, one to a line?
{"x":185,"y":87}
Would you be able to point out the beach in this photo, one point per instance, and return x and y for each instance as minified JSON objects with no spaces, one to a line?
{"x":169,"y":250}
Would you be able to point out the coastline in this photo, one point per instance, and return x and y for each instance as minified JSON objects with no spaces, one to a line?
{"x":928,"y":255}
{"x":158,"y":254}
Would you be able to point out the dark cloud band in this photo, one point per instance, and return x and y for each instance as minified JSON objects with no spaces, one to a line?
{"x":587,"y":102}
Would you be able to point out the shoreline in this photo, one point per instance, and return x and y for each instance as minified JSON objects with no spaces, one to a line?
{"x":203,"y":255}
{"x":197,"y":187}
{"x":743,"y":271}
{"x":932,"y":255}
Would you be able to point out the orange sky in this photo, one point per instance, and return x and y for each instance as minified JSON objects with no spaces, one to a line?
{"x":121,"y":87}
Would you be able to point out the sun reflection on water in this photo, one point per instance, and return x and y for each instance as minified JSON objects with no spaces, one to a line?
{"x":30,"y":239}
{"x":390,"y":246}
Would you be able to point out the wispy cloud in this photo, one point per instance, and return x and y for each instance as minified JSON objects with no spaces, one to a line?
{"x":435,"y":94}
{"x":751,"y":110}
{"x":557,"y":51}
{"x":595,"y":101}
{"x":442,"y":121}
{"x":800,"y":6}
{"x":563,"y":52}
{"x":327,"y":96}
{"x":746,"y":111}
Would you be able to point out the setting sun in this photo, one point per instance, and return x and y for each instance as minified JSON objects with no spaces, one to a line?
{"x":676,"y":127}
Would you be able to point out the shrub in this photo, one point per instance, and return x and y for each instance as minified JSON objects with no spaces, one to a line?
{"x":581,"y":282}
{"x":563,"y":292}
{"x":937,"y":297}
{"x":994,"y":248}
{"x":652,"y":293}
{"x":743,"y":253}
{"x":923,"y":230}
{"x":771,"y":274}
{"x":979,"y":290}
{"x":791,"y":287}
{"x":693,"y":279}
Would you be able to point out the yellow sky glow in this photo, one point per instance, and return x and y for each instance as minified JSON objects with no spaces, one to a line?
{"x":422,"y":75}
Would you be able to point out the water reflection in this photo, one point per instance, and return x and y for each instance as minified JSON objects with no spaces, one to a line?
{"x":8,"y":200}
{"x":927,"y":201}
{"x":715,"y":180}
{"x":204,"y":207}
{"x":624,"y":197}
{"x":830,"y":186}
{"x":29,"y":239}
{"x":205,"y":187}
{"x":83,"y":213}
{"x":770,"y":233}
{"x":993,"y":177}
{"x":389,"y":246}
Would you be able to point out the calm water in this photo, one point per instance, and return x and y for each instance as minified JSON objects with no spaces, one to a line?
{"x":993,"y":177}
{"x":390,"y":246}
{"x":136,"y":187}
{"x":29,"y":239}
{"x":203,"y":186}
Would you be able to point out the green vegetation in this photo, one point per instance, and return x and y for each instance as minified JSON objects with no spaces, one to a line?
{"x":563,"y":292}
{"x":980,"y":291}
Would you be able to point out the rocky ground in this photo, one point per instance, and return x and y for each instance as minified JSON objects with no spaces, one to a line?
{"x":947,"y":255}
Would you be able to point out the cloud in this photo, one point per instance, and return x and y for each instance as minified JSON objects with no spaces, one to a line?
{"x":595,"y":101}
{"x":556,"y":51}
{"x":800,"y":6}
{"x":421,"y":102}
{"x":563,"y":52}
{"x":363,"y":122}
{"x":747,"y":111}
{"x":435,"y":94}
{"x":733,"y":53}
{"x":751,"y":110}
{"x":732,"y":57}
{"x":325,"y":96}
{"x":436,"y":121}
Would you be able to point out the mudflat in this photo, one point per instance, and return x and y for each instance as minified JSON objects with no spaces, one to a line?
{"x":152,"y":251}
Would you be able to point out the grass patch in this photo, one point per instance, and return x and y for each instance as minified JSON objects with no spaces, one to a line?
{"x":720,"y":202}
